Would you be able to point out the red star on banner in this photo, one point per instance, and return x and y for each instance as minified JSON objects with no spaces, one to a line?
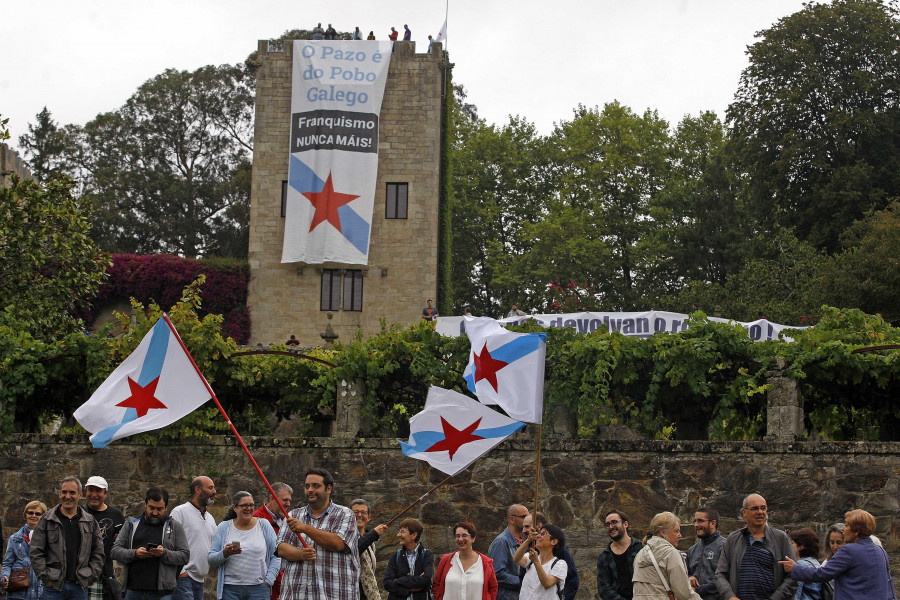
{"x":486,"y":367}
{"x":142,"y":399}
{"x":454,"y":438}
{"x":327,"y":203}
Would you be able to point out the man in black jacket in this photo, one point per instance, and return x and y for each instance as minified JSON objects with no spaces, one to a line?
{"x":411,"y":568}
{"x":615,"y":565}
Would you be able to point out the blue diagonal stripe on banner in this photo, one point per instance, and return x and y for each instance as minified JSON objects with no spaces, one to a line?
{"x":354,"y":228}
{"x":511,"y":352}
{"x":422,"y":440}
{"x":302,"y":178}
{"x":150,"y":370}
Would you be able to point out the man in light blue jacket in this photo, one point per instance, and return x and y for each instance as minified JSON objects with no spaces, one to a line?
{"x":502,"y":550}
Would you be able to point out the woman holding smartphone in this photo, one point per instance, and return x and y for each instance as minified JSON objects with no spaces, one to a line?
{"x":243,"y":549}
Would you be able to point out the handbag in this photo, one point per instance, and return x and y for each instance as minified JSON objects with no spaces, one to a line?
{"x":665,"y":581}
{"x":19,"y":579}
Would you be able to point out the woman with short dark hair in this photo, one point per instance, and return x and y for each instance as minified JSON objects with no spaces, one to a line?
{"x":465,"y":573}
{"x":411,"y":567}
{"x":859,"y":568}
{"x":545,"y":569}
{"x":806,"y":547}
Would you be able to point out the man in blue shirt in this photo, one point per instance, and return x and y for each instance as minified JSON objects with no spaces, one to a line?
{"x":502,"y":550}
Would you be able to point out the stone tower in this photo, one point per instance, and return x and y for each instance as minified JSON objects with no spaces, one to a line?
{"x":403,"y":267}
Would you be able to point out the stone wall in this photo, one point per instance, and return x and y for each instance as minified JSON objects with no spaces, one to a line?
{"x":805,"y":484}
{"x":284,"y":299}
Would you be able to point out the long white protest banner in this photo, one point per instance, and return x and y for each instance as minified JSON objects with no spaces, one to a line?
{"x":639,"y":324}
{"x":336,"y":96}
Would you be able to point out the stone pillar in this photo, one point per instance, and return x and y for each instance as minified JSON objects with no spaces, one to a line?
{"x":784,"y":405}
{"x":349,"y":401}
{"x":565,"y":422}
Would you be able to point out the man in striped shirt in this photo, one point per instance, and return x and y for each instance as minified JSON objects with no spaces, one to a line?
{"x":329,"y":568}
{"x":748,"y":567}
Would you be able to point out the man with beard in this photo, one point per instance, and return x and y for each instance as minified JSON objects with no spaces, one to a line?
{"x":503,"y":549}
{"x":66,"y":547}
{"x":615,"y":565}
{"x":748,"y":568}
{"x":368,"y":583}
{"x":110,"y":521}
{"x":199,"y":527}
{"x":703,"y":556}
{"x":152,"y":549}
{"x":271,"y":513}
{"x":328,"y":569}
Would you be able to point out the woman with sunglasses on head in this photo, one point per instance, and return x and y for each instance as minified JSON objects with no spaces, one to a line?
{"x":243,"y":549}
{"x":545,"y":569}
{"x":465,"y":574}
{"x":17,"y":561}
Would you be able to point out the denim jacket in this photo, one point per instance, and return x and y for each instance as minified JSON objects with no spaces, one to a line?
{"x":18,"y":556}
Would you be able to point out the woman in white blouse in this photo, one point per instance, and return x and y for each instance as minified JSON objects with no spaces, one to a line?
{"x":465,"y":574}
{"x":545,"y":569}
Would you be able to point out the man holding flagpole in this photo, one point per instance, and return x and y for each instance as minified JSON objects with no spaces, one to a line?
{"x":328,"y":568}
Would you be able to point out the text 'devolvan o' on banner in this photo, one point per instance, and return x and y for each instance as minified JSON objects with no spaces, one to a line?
{"x":336,"y":96}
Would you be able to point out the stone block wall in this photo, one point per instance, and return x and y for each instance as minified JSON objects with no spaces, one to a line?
{"x":804,"y":483}
{"x":284,"y":299}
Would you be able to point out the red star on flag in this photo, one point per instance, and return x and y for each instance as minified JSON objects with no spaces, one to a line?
{"x":327,"y":203}
{"x":142,"y":399}
{"x":486,"y":367}
{"x":454,"y":438}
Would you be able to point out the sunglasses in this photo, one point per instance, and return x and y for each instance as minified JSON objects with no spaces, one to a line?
{"x":33,"y":513}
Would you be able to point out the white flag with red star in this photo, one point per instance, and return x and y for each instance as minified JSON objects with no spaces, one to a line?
{"x":453,"y":430}
{"x":154,"y":387}
{"x":507,"y":368}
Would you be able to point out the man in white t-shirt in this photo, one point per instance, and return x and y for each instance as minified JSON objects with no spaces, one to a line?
{"x":199,"y":526}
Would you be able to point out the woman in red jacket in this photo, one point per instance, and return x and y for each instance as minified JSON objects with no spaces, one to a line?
{"x":465,"y":574}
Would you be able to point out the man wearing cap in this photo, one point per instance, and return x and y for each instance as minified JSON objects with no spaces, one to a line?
{"x":110,"y":521}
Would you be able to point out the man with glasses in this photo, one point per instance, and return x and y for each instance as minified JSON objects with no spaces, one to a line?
{"x":502,"y":551}
{"x":615,"y":565}
{"x":703,"y":556}
{"x":748,"y":568}
{"x":368,"y":583}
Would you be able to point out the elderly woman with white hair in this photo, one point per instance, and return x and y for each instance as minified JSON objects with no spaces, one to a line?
{"x":659,"y":569}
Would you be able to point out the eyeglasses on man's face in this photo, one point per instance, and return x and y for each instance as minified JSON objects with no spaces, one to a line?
{"x":760,"y":508}
{"x":612,"y":523}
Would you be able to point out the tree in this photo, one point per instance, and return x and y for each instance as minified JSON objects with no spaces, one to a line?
{"x":44,"y":146}
{"x":866,"y":275}
{"x":49,"y":267}
{"x":498,"y":188}
{"x":169,"y":171}
{"x":702,"y":226}
{"x":606,"y":167}
{"x":815,"y":117}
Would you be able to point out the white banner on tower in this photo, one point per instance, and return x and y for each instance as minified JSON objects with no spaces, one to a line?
{"x":336,"y":96}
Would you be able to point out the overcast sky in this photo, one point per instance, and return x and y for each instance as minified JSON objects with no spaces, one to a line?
{"x":535,"y":59}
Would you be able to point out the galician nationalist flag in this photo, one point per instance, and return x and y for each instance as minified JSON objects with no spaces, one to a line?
{"x":507,"y":368}
{"x":453,"y":430}
{"x":154,"y":387}
{"x":442,"y":34}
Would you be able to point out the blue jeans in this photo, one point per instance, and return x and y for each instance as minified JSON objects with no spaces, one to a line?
{"x":246,"y":592}
{"x":70,"y":591}
{"x":188,"y":589}
{"x":146,"y":595}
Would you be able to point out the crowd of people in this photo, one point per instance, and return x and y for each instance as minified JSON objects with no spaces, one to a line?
{"x":325,"y":551}
{"x":330,"y":33}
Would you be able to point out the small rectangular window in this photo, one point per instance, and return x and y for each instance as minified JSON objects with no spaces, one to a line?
{"x":396,"y":201}
{"x":283,"y":199}
{"x":331,"y":289}
{"x":353,"y":287}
